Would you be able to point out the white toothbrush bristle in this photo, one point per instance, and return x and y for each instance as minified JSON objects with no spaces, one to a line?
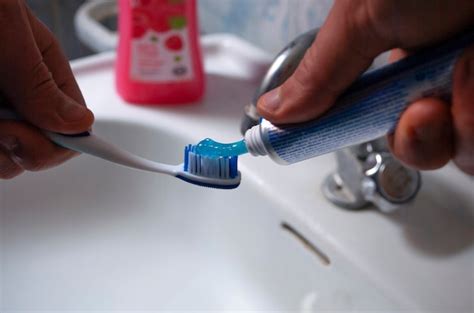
{"x":212,"y":167}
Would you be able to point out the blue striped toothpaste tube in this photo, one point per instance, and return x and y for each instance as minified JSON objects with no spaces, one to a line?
{"x":369,"y":109}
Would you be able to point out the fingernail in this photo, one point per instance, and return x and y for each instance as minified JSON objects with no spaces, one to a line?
{"x":271,"y":100}
{"x":9,"y":143}
{"x":72,"y":112}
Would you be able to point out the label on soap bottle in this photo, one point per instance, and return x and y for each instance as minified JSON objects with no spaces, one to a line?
{"x":160,"y":48}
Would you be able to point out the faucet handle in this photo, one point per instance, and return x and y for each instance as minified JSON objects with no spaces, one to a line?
{"x":387,"y":183}
{"x":369,"y":174}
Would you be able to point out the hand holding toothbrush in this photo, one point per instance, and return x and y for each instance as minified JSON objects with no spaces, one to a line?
{"x":36,"y":82}
{"x":430,"y":132}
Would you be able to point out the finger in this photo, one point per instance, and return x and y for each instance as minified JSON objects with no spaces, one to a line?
{"x":8,"y":168}
{"x":354,"y":33}
{"x":394,"y":56}
{"x":30,"y":149}
{"x":344,"y":48}
{"x":29,"y":86}
{"x":463,"y":111}
{"x":424,"y":136}
{"x":54,"y":58}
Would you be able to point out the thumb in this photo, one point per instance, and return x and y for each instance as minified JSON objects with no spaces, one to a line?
{"x":29,"y":86}
{"x":354,"y":33}
{"x":344,"y":48}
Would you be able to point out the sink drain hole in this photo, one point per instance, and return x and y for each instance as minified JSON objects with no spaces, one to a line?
{"x":322,"y":257}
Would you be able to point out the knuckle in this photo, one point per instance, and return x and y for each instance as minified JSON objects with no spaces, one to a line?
{"x":48,"y":42}
{"x":367,"y":22}
{"x":43,"y":75}
{"x":9,"y":170}
{"x":42,"y":87}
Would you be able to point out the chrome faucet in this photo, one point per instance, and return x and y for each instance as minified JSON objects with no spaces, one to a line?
{"x":366,"y":173}
{"x":369,"y":174}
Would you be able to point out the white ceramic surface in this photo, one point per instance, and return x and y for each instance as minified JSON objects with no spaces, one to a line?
{"x":92,"y":236}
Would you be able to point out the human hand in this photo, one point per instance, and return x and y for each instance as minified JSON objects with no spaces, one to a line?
{"x":36,"y":82}
{"x":430,"y":132}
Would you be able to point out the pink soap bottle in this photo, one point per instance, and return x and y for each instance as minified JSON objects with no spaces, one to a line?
{"x":159,"y":56}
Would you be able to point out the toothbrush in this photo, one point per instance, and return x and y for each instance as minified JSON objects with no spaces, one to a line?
{"x":197,"y":169}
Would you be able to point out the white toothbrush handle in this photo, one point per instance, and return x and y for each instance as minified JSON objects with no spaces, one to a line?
{"x":96,"y":146}
{"x":91,"y":144}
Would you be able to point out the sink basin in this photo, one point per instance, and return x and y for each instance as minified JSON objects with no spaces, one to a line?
{"x":91,"y":235}
{"x":94,"y":236}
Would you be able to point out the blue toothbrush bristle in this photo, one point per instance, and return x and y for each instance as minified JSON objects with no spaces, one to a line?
{"x":213,"y":167}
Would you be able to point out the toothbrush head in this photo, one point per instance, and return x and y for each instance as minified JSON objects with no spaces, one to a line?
{"x":207,"y":171}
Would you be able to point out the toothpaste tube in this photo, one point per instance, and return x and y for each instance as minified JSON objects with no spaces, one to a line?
{"x":369,"y":109}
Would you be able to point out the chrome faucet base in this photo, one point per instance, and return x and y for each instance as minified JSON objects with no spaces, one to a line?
{"x":368,"y":174}
{"x":335,"y":190}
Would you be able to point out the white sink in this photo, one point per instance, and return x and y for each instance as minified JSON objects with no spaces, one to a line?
{"x":93,"y":236}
